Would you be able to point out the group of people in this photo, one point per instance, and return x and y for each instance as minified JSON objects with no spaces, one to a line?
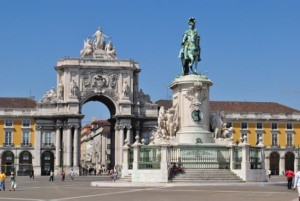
{"x":63,"y":175}
{"x":12,"y":181}
{"x":177,"y":169}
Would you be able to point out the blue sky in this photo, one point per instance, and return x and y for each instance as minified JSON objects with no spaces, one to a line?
{"x":250,"y":49}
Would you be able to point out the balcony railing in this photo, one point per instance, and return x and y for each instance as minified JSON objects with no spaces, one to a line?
{"x":8,"y":144}
{"x":48,"y":145}
{"x":26,"y":145}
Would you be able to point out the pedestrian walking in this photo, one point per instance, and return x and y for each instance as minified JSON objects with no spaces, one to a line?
{"x":31,"y":174}
{"x":269,"y":173}
{"x":51,"y":176}
{"x":72,"y":175}
{"x":63,"y":175}
{"x":2,"y":180}
{"x":290,"y":175}
{"x":13,"y":183}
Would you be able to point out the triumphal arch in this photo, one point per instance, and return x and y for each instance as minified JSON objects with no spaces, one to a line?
{"x":98,"y":75}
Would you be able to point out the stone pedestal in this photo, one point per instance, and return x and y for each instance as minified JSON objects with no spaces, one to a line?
{"x":191,"y":97}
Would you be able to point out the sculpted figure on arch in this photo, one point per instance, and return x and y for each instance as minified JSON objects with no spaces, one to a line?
{"x":190,"y":49}
{"x":99,"y":41}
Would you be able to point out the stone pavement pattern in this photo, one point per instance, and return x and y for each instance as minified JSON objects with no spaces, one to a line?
{"x":41,"y":189}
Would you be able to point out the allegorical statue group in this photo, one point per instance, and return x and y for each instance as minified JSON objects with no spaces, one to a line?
{"x":97,"y":42}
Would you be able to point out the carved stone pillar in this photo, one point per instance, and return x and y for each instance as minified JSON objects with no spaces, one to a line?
{"x":281,"y":165}
{"x":37,"y":140}
{"x":58,"y":146}
{"x":129,"y":137}
{"x":69,"y":146}
{"x":76,"y":143}
{"x":37,"y":150}
{"x":120,"y":147}
{"x":117,"y":136}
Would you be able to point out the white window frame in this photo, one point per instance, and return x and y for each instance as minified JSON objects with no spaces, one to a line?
{"x":261,"y":126}
{"x":244,"y":123}
{"x":258,"y":135}
{"x":23,"y":137}
{"x":289,"y":138}
{"x":47,"y":138}
{"x":274,"y":126}
{"x":8,"y":123}
{"x":10,"y":140}
{"x":26,"y":123}
{"x":274,"y":139}
{"x":287,"y":126}
{"x":228,"y":124}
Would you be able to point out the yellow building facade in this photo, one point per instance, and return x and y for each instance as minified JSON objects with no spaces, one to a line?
{"x":17,"y":129}
{"x":277,"y":125}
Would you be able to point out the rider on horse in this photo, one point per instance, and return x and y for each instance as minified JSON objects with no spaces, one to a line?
{"x":190,"y":49}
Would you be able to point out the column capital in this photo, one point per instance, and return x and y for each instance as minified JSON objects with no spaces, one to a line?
{"x":57,"y":127}
{"x":38,"y":127}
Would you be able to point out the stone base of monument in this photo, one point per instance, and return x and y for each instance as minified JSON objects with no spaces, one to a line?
{"x":194,"y":137}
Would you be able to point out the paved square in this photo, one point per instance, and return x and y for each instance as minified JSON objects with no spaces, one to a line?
{"x":41,"y":189}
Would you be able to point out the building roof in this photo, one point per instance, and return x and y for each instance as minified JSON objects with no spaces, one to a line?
{"x":240,"y":107}
{"x":9,"y":103}
{"x":166,"y":103}
{"x":247,"y":107}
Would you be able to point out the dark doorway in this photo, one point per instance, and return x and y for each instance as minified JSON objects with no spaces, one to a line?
{"x":8,"y":162}
{"x":289,"y":161}
{"x":25,"y":163}
{"x":274,"y":163}
{"x":47,"y":163}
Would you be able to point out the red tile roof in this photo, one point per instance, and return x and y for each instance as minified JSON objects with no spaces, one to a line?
{"x":241,"y":107}
{"x":8,"y":103}
{"x":250,"y":107}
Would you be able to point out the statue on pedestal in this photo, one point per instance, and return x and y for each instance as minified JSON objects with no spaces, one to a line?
{"x":95,"y":46}
{"x":99,"y":39}
{"x":190,"y":49}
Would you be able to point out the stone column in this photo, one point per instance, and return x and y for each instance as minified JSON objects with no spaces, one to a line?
{"x":76,"y":143}
{"x":164,"y":162}
{"x":117,"y":141}
{"x":281,"y":165}
{"x":103,"y":149}
{"x":232,"y":159}
{"x":296,"y":163}
{"x":125,"y":160}
{"x":267,"y":163}
{"x":129,"y":138}
{"x":37,"y":155}
{"x":121,"y":142}
{"x":57,"y":146}
{"x":69,"y":146}
{"x":245,"y":166}
{"x":136,"y":153}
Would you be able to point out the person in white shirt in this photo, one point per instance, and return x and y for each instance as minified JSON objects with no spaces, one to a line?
{"x":297,"y":183}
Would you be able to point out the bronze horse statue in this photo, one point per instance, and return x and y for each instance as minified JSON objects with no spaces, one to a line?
{"x":190,"y":49}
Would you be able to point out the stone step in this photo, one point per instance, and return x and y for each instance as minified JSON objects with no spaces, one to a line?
{"x":205,"y":175}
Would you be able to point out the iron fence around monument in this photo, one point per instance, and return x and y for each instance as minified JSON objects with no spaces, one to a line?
{"x":237,"y":157}
{"x":149,"y":157}
{"x":130,"y":159}
{"x":255,"y":157}
{"x":200,"y":157}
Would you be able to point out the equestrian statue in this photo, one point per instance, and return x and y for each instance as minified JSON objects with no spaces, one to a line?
{"x":190,"y":49}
